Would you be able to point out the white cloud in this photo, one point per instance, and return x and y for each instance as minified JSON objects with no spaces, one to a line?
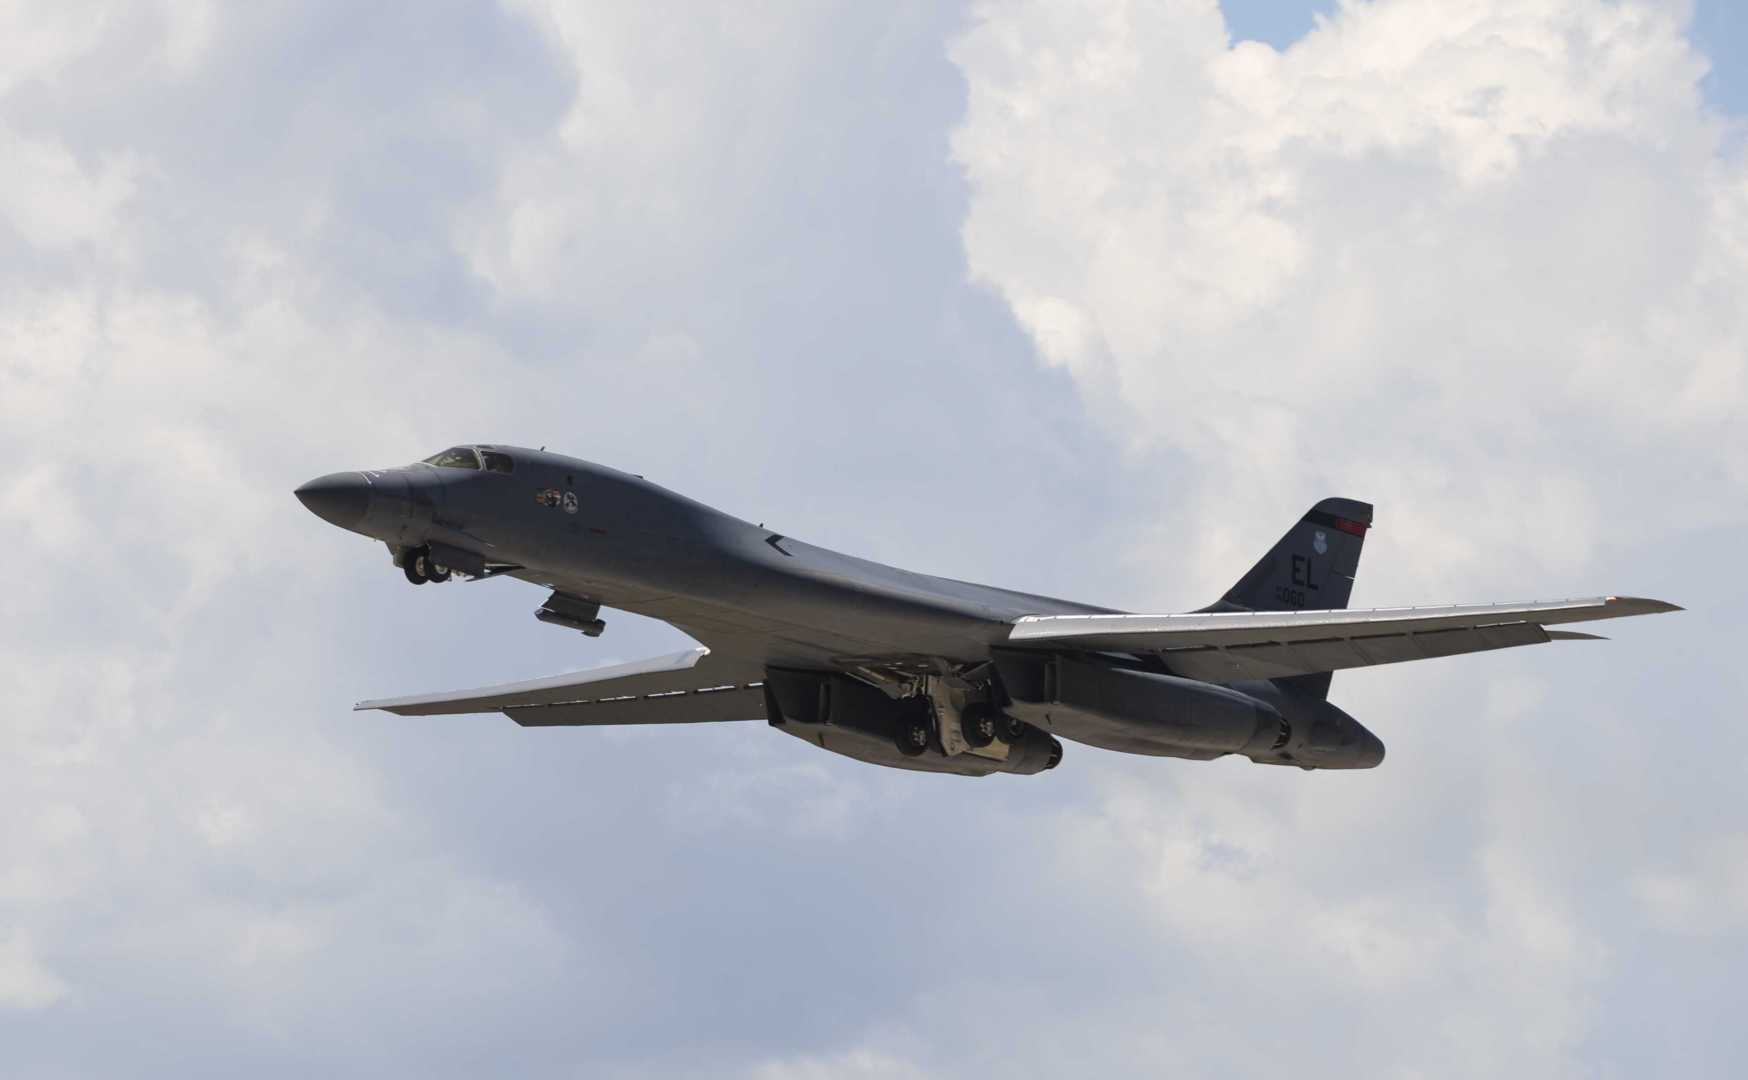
{"x":220,"y":290}
{"x":1705,"y":898}
{"x":645,"y":158}
{"x":38,"y":38}
{"x":51,"y":200}
{"x":1426,"y":239}
{"x":805,"y":798}
{"x":50,"y":195}
{"x":170,"y":817}
{"x":862,"y":1064}
{"x":24,"y":982}
{"x":1478,"y":262}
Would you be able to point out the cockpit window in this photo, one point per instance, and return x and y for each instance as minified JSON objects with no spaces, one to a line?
{"x":456,"y":457}
{"x":496,"y":462}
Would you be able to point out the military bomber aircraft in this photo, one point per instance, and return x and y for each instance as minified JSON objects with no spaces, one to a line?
{"x":899,"y":668}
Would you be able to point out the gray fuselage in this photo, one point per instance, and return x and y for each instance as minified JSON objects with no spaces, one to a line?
{"x":838,"y":650}
{"x":634,"y":545}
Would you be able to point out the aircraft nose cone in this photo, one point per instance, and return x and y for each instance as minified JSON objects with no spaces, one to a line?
{"x":340,"y":498}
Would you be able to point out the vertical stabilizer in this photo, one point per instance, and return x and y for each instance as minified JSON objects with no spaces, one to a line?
{"x":1312,"y":567}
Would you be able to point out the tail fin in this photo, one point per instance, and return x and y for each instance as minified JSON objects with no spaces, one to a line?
{"x":1312,"y":567}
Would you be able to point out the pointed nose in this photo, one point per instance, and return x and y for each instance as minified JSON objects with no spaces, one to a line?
{"x":341,"y":498}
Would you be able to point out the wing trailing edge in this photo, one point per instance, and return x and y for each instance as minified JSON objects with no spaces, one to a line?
{"x":1227,"y":645}
{"x":695,"y":686}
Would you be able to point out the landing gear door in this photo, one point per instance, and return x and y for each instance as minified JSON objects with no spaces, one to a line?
{"x":947,"y":718}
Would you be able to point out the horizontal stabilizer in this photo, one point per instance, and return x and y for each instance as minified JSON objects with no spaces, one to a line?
{"x":694,"y":686}
{"x":1225,"y":646}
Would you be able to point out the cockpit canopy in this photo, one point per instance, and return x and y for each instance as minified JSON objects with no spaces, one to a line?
{"x":469,"y":457}
{"x":456,"y":457}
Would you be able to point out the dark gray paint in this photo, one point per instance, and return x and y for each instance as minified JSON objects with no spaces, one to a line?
{"x":844,"y":652}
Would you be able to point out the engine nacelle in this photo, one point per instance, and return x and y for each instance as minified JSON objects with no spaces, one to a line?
{"x":1118,"y":707}
{"x":849,"y":717}
{"x":1324,"y":737}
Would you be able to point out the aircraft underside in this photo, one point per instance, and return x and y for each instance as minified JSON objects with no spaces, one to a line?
{"x":902,"y":669}
{"x":1007,"y":720}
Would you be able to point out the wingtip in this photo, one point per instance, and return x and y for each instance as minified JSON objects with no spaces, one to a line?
{"x":1641,"y":605}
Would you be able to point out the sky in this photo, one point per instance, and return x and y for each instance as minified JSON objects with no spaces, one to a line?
{"x":1088,"y":299}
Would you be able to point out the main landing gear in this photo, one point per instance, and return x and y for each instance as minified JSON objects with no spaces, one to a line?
{"x":916,"y":728}
{"x":978,"y":722}
{"x":952,"y":728}
{"x":419,"y":567}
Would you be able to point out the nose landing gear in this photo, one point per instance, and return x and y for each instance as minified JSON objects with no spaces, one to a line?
{"x":418,"y":566}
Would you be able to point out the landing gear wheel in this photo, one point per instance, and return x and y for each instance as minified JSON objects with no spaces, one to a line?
{"x":915,"y":728}
{"x":433,"y":572}
{"x":413,"y":565}
{"x":977,"y":722}
{"x":1011,"y":730}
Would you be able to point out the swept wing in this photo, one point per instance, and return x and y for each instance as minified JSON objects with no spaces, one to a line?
{"x":1224,"y":646}
{"x":695,"y":686}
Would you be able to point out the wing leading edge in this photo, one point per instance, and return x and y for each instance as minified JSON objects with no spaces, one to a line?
{"x":682,"y":688}
{"x":1224,"y":646}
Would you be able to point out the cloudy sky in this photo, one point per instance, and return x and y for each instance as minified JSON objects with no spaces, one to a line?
{"x":1085,"y":298}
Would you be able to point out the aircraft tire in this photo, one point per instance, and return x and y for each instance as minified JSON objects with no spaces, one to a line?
{"x":433,"y":572}
{"x":978,"y":723}
{"x":1011,"y":730}
{"x":914,"y":731}
{"x":413,"y":565}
